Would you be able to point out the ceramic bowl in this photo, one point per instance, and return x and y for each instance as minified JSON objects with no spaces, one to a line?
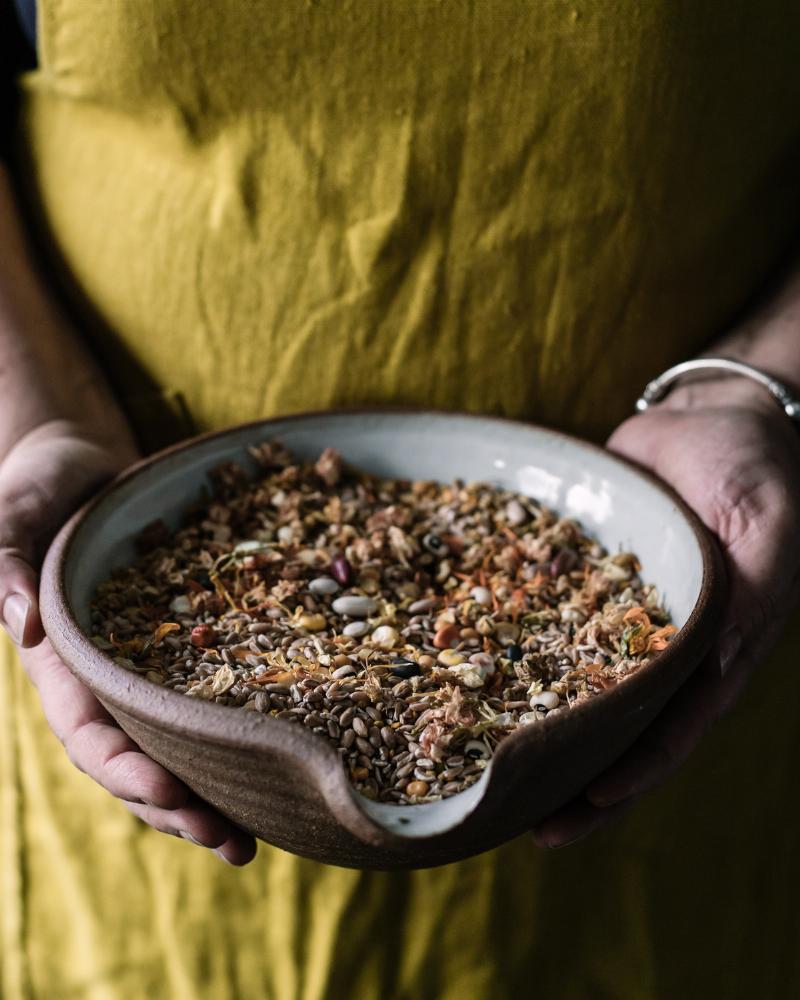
{"x":286,"y":785}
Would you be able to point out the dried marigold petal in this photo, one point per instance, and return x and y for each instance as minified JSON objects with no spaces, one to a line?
{"x":660,"y":638}
{"x":329,"y":466}
{"x":602,"y":681}
{"x":164,"y":629}
{"x":271,"y":677}
{"x":637,"y":616}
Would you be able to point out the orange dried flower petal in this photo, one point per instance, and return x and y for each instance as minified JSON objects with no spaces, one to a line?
{"x":164,"y":629}
{"x":660,"y":638}
{"x":637,"y":616}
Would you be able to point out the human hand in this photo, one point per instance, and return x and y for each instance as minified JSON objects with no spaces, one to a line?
{"x":43,"y":479}
{"x":731,"y":454}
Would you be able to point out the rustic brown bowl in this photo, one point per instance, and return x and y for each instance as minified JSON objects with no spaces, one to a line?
{"x":286,"y":785}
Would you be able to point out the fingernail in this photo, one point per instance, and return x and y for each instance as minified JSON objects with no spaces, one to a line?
{"x":220,"y":855}
{"x":187,"y":836}
{"x":609,"y":797}
{"x":729,"y":646}
{"x":553,"y":845}
{"x":549,"y":846}
{"x":15,"y":615}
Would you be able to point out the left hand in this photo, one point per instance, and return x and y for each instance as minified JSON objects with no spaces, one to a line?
{"x":727,"y":449}
{"x":44,"y":477}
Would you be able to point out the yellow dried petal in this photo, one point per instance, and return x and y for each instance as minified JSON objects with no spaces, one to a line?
{"x":312,"y":623}
{"x":163,"y":630}
{"x":223,"y":680}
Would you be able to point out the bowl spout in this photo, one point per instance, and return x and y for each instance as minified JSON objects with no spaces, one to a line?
{"x":426,"y":819}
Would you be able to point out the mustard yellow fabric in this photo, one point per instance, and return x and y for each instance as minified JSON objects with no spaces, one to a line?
{"x":524,"y":208}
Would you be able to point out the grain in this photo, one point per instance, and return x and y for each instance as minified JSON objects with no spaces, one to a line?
{"x":411,"y":625}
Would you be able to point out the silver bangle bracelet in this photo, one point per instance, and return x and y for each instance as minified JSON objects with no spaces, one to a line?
{"x":659,"y":386}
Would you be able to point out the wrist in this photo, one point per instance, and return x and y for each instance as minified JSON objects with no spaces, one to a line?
{"x":714,"y":381}
{"x":722,"y":391}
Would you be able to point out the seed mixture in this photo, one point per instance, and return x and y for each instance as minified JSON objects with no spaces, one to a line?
{"x":412,"y":624}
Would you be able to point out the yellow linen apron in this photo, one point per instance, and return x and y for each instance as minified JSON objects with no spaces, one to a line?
{"x":523,"y":208}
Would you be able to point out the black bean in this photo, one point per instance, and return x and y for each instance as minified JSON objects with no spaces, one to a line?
{"x":405,"y":669}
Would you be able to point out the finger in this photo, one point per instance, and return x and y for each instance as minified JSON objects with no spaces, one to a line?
{"x":92,"y":739}
{"x":672,"y":737}
{"x":577,"y":820}
{"x":110,"y":757}
{"x":205,"y":826}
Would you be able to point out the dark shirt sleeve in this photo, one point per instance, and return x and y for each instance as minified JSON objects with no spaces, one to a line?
{"x":17,"y":54}
{"x":26,"y":15}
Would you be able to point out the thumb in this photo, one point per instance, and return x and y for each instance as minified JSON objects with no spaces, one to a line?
{"x":25,"y":506}
{"x":43,"y":479}
{"x":642,"y":437}
{"x":19,"y":603}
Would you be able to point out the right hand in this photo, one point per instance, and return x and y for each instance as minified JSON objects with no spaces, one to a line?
{"x":44,"y":478}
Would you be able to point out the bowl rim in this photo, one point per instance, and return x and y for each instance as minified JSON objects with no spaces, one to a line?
{"x":174,"y":712}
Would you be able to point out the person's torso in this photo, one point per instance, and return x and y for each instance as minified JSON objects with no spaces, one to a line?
{"x":501,"y":206}
{"x":515,"y":207}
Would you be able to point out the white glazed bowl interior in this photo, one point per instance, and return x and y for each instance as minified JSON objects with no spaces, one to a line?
{"x":623,"y":509}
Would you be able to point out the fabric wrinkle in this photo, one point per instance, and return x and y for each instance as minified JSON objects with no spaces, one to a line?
{"x":497,"y":206}
{"x":15,"y":973}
